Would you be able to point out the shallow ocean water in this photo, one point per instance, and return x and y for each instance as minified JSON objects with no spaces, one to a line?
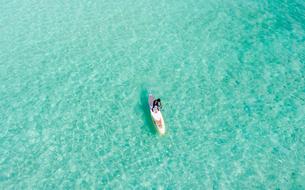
{"x":74,"y":78}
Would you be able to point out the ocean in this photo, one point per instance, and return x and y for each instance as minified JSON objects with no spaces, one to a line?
{"x":74,"y":83}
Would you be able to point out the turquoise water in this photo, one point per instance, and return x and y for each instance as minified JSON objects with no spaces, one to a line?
{"x":74,"y":78}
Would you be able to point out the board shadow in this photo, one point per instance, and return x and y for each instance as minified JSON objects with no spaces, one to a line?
{"x":148,"y":124}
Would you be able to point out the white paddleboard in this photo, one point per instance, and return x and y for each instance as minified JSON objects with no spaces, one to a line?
{"x":156,"y":116}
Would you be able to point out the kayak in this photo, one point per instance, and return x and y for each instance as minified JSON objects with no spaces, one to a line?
{"x":156,"y":117}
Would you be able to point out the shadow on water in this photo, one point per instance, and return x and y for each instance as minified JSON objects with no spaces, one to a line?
{"x":148,"y":124}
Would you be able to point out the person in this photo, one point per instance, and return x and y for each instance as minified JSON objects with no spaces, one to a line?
{"x":157,"y":104}
{"x":156,"y":107}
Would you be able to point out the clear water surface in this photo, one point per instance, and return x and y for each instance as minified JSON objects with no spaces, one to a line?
{"x":74,"y":78}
